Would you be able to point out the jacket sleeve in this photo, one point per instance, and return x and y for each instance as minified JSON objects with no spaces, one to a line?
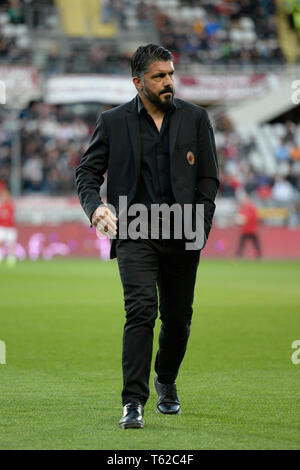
{"x":93,"y":165}
{"x":208,"y":172}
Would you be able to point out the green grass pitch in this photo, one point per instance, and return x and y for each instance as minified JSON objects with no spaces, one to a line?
{"x":60,"y":388}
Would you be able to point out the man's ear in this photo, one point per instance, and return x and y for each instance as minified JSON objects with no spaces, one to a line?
{"x":137,"y":83}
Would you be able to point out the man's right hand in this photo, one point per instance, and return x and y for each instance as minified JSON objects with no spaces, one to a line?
{"x":105,"y":220}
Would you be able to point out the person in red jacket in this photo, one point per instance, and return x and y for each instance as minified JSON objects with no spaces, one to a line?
{"x":8,"y":231}
{"x":248,"y":220}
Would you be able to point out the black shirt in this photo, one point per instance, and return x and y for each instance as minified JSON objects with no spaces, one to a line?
{"x":154,"y":186}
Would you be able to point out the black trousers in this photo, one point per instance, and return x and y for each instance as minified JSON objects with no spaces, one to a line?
{"x":148,"y":268}
{"x":254,"y":239}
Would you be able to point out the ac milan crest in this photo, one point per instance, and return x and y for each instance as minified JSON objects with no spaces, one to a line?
{"x":190,"y":157}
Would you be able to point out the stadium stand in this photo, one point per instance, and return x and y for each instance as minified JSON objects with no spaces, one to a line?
{"x":217,"y":33}
{"x":250,"y":161}
{"x":53,"y":139}
{"x":51,"y":145}
{"x":203,"y":35}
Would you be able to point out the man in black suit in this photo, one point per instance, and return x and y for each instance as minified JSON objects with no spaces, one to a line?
{"x":156,"y":149}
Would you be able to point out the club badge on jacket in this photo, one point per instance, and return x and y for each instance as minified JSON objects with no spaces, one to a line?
{"x":190,"y":157}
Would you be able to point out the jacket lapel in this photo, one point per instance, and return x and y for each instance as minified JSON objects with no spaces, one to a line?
{"x":174,"y":127}
{"x":134,"y":133}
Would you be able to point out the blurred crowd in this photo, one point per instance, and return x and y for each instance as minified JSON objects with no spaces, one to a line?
{"x":222,"y":32}
{"x":240,"y":172}
{"x":53,"y":139}
{"x":215,"y":32}
{"x":15,"y":44}
{"x":209,"y":33}
{"x":51,"y":144}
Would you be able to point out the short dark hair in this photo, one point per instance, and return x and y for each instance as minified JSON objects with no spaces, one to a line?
{"x":146,"y":55}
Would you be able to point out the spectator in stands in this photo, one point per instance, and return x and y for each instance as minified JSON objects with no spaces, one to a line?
{"x":264,"y":192}
{"x":295,"y":152}
{"x":33,"y":174}
{"x":289,"y":132}
{"x":15,"y":12}
{"x":281,"y":152}
{"x":283,"y":192}
{"x":293,"y":176}
{"x":53,"y":64}
{"x":251,"y":183}
{"x":248,"y":220}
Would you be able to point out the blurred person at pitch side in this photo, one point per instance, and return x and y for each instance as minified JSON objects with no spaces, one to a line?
{"x":156,"y":149}
{"x":248,"y":221}
{"x":8,"y":231}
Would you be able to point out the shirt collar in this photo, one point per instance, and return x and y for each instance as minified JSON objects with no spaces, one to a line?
{"x":140,"y":105}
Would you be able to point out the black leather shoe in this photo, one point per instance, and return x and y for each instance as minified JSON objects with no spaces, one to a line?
{"x":168,"y":402}
{"x":132,"y":416}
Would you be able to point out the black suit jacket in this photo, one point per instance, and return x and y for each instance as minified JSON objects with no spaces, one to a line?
{"x":115,"y":147}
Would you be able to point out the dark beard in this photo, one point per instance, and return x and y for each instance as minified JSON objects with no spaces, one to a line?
{"x":156,"y":100}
